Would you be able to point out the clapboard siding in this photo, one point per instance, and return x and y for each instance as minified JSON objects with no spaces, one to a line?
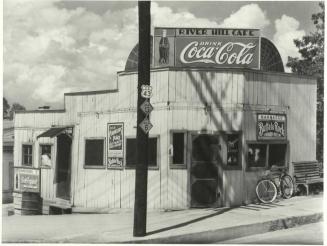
{"x":190,"y":100}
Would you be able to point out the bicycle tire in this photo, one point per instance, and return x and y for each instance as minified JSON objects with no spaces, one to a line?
{"x":286,"y":186}
{"x":266,"y":191}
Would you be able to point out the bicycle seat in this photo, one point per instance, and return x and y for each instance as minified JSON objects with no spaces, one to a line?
{"x":275,"y":168}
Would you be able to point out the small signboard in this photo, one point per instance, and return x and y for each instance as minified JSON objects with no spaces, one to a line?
{"x":115,"y":143}
{"x":271,"y":126}
{"x":146,"y":91}
{"x":27,"y":179}
{"x":115,"y":162}
{"x":146,"y":125}
{"x":146,"y":107}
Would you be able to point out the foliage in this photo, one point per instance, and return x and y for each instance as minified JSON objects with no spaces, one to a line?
{"x":6,"y":108}
{"x":311,"y":48}
{"x":8,"y":111}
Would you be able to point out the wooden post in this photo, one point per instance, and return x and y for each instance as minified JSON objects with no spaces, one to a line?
{"x":141,"y":174}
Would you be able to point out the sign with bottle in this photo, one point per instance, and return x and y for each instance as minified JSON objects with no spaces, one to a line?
{"x":207,"y":47}
{"x":115,"y":138}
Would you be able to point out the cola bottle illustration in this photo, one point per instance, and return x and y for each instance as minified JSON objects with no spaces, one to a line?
{"x":164,"y":48}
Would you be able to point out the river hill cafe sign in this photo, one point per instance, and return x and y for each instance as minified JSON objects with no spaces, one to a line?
{"x":207,"y":47}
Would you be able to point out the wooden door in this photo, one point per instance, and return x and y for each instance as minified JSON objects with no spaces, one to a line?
{"x":63,"y":167}
{"x":204,"y":177}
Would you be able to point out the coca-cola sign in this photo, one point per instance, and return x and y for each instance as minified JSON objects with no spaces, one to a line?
{"x":217,"y":52}
{"x":206,"y":47}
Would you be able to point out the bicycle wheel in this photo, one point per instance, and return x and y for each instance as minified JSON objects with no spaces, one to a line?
{"x":266,"y":191}
{"x":286,"y":186}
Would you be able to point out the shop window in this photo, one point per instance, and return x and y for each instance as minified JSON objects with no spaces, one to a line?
{"x":233,"y":150}
{"x":277,"y":154}
{"x":27,"y":150}
{"x":131,"y":158}
{"x":94,"y":153}
{"x":45,"y":155}
{"x":178,"y":151}
{"x":257,"y":154}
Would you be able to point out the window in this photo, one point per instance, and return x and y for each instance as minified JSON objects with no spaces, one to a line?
{"x":131,"y":152}
{"x":257,"y":155}
{"x":94,"y":153}
{"x":27,"y":155}
{"x":233,"y":149}
{"x":45,"y":155}
{"x":277,"y":154}
{"x":178,"y":151}
{"x":266,"y":154}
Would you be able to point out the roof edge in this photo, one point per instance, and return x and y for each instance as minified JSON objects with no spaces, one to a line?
{"x":90,"y":92}
{"x":154,"y":69}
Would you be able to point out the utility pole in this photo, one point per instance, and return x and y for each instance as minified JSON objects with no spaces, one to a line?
{"x":143,"y":123}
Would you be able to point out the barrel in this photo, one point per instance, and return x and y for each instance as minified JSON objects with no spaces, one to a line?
{"x":28,"y":203}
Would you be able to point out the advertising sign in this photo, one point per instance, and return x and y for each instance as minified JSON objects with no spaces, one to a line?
{"x":207,"y":47}
{"x":271,"y":126}
{"x":115,"y":143}
{"x":27,"y":179}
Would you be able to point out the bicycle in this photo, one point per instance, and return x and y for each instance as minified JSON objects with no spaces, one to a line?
{"x":273,"y":184}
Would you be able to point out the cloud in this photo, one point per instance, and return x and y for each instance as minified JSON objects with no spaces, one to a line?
{"x":50,"y":50}
{"x":248,"y":16}
{"x":287,"y":29}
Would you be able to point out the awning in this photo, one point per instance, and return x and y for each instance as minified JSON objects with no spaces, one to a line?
{"x":53,"y":132}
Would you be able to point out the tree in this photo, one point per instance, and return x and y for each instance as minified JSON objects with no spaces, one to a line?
{"x":6,"y":108}
{"x":15,"y":107}
{"x":311,"y":48}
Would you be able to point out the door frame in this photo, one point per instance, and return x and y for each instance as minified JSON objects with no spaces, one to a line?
{"x":189,"y":165}
{"x":70,"y":169}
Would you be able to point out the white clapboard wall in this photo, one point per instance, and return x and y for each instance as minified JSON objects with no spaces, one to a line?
{"x":179,"y":100}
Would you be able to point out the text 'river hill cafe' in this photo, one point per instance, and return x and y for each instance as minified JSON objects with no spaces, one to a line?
{"x":222,"y":111}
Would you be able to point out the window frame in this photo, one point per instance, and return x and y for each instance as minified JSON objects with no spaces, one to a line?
{"x":268,"y":143}
{"x":157,"y":167}
{"x":32,"y":154}
{"x":178,"y":165}
{"x":40,"y":159}
{"x":224,"y":151}
{"x":103,"y":166}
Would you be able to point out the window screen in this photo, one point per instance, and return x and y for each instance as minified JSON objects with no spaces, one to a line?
{"x":277,"y":154}
{"x":257,"y":155}
{"x":178,"y":148}
{"x":131,"y":158}
{"x":233,"y":149}
{"x":27,"y":155}
{"x":94,"y":152}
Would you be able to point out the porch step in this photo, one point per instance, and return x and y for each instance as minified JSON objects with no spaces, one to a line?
{"x":56,"y":206}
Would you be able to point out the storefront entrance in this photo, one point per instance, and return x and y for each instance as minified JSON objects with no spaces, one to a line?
{"x":63,"y":167}
{"x":204,"y":169}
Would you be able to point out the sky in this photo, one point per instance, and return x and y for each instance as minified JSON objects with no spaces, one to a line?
{"x":51,"y":47}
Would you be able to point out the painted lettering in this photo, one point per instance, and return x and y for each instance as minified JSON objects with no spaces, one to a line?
{"x":215,"y":52}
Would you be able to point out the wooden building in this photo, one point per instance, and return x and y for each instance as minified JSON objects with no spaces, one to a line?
{"x":216,"y":130}
{"x":7,"y":161}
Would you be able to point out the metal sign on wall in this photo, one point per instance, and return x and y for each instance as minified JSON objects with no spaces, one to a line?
{"x":27,"y":179}
{"x":207,"y":47}
{"x":271,"y":126}
{"x":115,"y":145}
